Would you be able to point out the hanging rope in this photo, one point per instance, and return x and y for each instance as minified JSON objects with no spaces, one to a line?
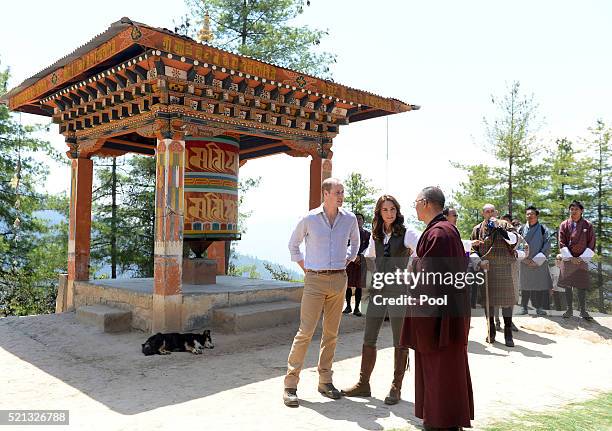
{"x":387,"y":159}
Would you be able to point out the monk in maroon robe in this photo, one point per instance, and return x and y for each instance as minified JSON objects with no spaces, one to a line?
{"x":439,"y":334}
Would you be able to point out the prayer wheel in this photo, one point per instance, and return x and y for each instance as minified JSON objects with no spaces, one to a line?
{"x":211,"y":189}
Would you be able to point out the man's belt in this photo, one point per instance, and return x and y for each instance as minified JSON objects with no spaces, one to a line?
{"x":326,"y":271}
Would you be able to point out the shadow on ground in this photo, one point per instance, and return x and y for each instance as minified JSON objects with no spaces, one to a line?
{"x":345,"y":410}
{"x":111,"y":369}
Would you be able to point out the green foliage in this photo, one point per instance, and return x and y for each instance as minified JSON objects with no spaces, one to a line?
{"x":32,"y":252}
{"x":565,"y":174}
{"x":598,"y":202}
{"x":262,"y":29}
{"x":511,"y":141}
{"x":566,"y":181}
{"x":592,"y":415}
{"x":239,"y":271}
{"x":480,"y":188}
{"x":277,"y":272}
{"x":359,"y":196}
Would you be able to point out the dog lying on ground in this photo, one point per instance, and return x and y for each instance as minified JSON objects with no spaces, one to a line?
{"x":164,"y":344}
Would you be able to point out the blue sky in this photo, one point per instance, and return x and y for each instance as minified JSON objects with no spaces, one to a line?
{"x":448,"y":56}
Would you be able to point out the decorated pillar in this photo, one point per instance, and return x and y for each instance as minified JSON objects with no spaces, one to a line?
{"x":79,"y":230}
{"x":320,"y":170}
{"x":169,"y":209}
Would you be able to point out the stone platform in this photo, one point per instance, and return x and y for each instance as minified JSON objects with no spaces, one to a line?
{"x":199,"y":301}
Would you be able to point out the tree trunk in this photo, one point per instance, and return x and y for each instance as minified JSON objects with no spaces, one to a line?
{"x":113,"y":233}
{"x":510,"y":162}
{"x":562,"y":215}
{"x":245,"y":14}
{"x":600,"y":221}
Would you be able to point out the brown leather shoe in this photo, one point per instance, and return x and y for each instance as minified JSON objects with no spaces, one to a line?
{"x":362,"y":388}
{"x":329,"y":390}
{"x":290,"y":397}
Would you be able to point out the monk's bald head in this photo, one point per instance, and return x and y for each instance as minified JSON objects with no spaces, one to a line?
{"x":488,"y":211}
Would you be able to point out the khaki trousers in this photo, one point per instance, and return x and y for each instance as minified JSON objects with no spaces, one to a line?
{"x":322,"y":293}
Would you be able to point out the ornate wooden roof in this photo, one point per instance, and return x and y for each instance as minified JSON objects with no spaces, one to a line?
{"x":115,"y":93}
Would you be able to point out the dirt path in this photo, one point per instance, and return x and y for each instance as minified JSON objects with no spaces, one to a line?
{"x":51,"y":362}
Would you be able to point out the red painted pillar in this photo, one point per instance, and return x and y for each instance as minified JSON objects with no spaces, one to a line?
{"x":216,"y":251}
{"x":79,"y":230}
{"x":320,"y":170}
{"x":166,"y":315}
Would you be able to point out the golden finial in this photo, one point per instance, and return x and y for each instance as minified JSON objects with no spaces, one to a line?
{"x":205,"y":34}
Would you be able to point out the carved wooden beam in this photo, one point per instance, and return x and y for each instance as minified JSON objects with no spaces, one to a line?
{"x":131,"y":76}
{"x":141,"y":72}
{"x":262,"y":147}
{"x":121,"y":81}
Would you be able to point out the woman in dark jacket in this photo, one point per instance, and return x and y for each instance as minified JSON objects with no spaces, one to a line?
{"x":391,"y":245}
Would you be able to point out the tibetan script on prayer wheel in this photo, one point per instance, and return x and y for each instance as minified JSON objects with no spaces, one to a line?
{"x":211,"y":188}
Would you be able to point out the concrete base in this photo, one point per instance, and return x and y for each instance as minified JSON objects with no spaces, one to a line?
{"x":166,"y":313}
{"x":62,"y":292}
{"x":248,"y":317}
{"x":196,"y":303}
{"x":199,"y":271}
{"x":108,"y":319}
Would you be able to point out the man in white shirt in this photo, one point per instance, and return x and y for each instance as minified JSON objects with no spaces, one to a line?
{"x":326,"y":231}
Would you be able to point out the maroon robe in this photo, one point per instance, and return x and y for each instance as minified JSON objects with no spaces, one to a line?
{"x":577,"y":240}
{"x":356,"y":270}
{"x":443,"y":386}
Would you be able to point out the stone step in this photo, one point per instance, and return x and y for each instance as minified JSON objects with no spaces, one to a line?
{"x":108,"y":319}
{"x":244,"y":318}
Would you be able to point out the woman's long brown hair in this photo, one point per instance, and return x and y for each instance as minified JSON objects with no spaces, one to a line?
{"x":378,"y":224}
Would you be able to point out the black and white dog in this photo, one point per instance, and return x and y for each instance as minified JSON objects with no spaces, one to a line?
{"x":164,"y":344}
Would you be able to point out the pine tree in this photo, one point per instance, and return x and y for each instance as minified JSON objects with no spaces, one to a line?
{"x":262,"y":29}
{"x":598,"y":203}
{"x":566,"y":181}
{"x":511,"y":141}
{"x":359,"y":196}
{"x":124,"y":216}
{"x":32,"y":252}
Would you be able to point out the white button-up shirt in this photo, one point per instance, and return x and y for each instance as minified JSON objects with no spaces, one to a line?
{"x":326,"y":245}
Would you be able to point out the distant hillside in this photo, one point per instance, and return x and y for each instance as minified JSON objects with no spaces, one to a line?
{"x":246,"y":260}
{"x":239,"y":260}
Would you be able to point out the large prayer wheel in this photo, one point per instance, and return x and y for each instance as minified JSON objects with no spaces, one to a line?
{"x":211,"y":189}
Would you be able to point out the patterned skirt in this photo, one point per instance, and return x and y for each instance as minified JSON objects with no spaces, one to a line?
{"x":573,"y":275}
{"x":356,"y":273}
{"x":500,"y":285}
